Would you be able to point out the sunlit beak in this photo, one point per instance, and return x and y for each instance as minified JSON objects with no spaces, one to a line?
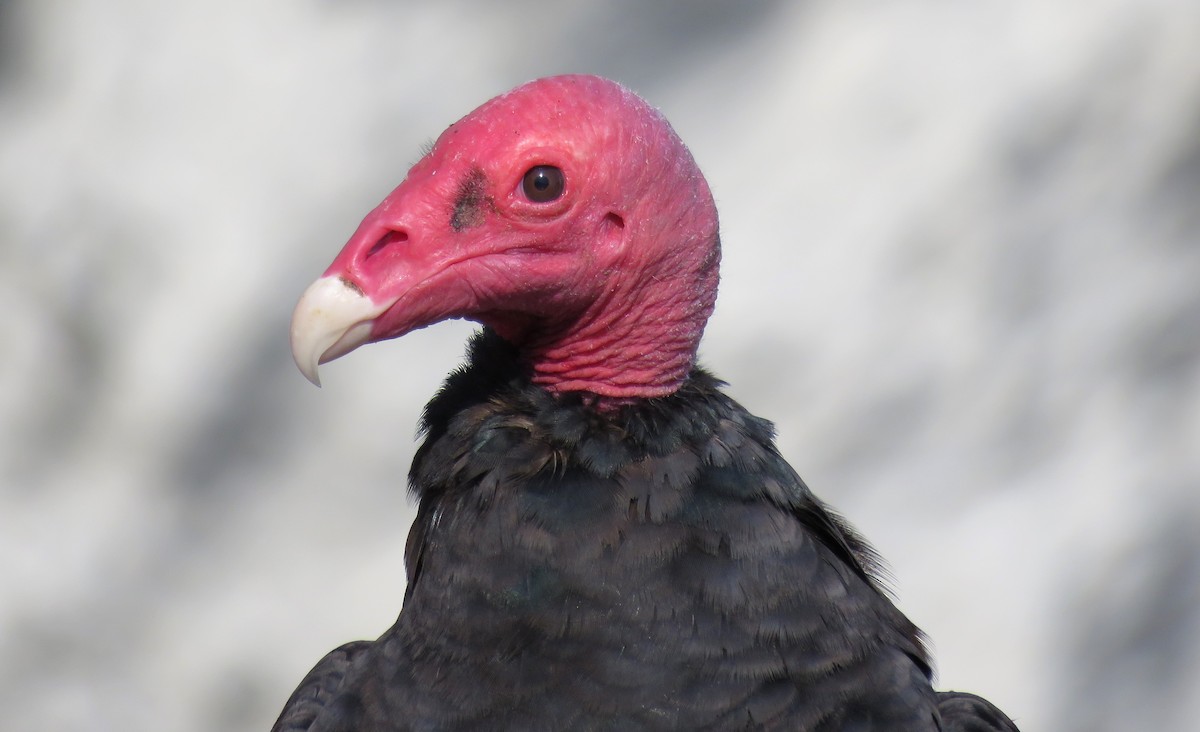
{"x":332,"y":318}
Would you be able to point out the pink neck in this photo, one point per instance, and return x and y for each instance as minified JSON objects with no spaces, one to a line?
{"x":638,"y":343}
{"x":618,"y":359}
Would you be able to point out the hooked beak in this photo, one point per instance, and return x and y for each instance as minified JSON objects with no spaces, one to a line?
{"x":332,"y":318}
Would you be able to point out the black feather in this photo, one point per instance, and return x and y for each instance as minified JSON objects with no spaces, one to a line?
{"x":969,"y":713}
{"x":656,"y":567}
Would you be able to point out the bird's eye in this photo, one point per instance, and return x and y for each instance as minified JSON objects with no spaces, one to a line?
{"x":543,"y":183}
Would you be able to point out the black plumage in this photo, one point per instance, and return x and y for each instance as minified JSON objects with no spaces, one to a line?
{"x":654,"y":566}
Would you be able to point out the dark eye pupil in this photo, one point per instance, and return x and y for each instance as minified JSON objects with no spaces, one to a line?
{"x":543,"y":183}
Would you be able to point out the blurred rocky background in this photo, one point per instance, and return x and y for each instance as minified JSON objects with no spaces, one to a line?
{"x":962,"y":273}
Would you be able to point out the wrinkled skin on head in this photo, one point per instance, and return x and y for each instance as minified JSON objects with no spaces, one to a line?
{"x":605,"y":285}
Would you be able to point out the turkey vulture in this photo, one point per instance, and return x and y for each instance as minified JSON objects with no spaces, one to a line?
{"x":605,"y":540}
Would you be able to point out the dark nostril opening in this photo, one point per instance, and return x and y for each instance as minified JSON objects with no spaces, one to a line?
{"x":392,"y":237}
{"x":614,"y":219}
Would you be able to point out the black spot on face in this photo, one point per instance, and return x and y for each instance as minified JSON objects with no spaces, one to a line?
{"x":472,"y":203}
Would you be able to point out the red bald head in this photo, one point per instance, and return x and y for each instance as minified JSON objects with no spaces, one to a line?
{"x":565,"y":214}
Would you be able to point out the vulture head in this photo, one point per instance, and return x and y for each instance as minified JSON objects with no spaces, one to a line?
{"x":566,"y":215}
